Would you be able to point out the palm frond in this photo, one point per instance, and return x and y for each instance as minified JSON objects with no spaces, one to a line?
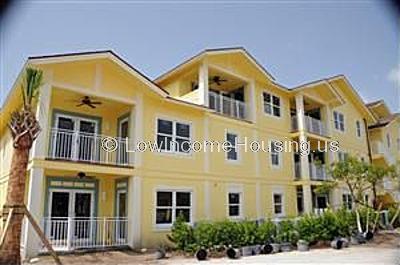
{"x":30,"y":87}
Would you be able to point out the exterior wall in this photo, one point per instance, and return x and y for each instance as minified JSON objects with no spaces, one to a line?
{"x":209,"y":176}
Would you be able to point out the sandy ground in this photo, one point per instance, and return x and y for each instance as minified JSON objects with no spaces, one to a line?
{"x":385,"y":249}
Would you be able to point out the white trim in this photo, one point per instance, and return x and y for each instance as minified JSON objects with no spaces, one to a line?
{"x":135,"y":210}
{"x":235,"y":188}
{"x":334,"y":121}
{"x":206,"y":138}
{"x":281,"y":105}
{"x":174,"y":121}
{"x":207,"y":200}
{"x":279,"y":166}
{"x":258,"y":200}
{"x":173,"y":190}
{"x":278,"y":191}
{"x":237,"y":148}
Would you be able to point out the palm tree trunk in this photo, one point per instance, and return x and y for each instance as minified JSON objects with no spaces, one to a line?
{"x":10,"y":250}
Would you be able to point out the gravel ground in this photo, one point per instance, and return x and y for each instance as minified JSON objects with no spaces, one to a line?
{"x":385,"y":249}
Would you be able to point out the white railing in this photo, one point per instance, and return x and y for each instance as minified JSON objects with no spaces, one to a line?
{"x":227,"y":105}
{"x":379,"y":148}
{"x":87,"y":147}
{"x":69,"y":233}
{"x":317,"y":172}
{"x":312,"y":125}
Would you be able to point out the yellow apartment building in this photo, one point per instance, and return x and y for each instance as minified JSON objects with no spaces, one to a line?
{"x":87,"y":197}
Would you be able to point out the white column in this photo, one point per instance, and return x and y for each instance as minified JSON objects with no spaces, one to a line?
{"x":336,"y":196}
{"x":203,"y":84}
{"x":31,"y":240}
{"x":251,"y":104}
{"x":207,"y":200}
{"x":304,"y":165}
{"x":307,"y":198}
{"x":134,"y":211}
{"x":138,"y":127}
{"x":39,"y":149}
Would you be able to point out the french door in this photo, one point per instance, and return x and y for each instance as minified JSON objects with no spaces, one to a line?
{"x":121,"y":213}
{"x":70,"y":212}
{"x":75,"y":138}
{"x":123,"y":133}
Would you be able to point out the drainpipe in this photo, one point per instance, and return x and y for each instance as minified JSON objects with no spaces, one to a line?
{"x":368,"y":142}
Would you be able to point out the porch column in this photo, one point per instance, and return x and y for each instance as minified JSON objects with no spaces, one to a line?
{"x":134,"y":211}
{"x":250,"y":100}
{"x":35,"y":202}
{"x":336,"y":198}
{"x":136,"y":131}
{"x":304,"y":165}
{"x":203,"y":84}
{"x":307,"y":198}
{"x":43,"y":116}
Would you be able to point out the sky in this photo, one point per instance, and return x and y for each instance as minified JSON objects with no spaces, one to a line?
{"x":296,"y":41}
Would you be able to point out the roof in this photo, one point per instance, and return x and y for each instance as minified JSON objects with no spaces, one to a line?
{"x":373,"y":103}
{"x":385,"y":121}
{"x":214,"y":51}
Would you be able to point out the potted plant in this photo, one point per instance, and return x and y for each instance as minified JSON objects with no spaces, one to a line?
{"x":266,"y":234}
{"x":160,"y":252}
{"x":201,"y":254}
{"x":248,"y":230}
{"x":286,"y":235}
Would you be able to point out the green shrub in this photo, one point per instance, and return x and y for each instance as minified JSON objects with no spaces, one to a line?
{"x":227,"y":233}
{"x":266,"y":232}
{"x":182,"y":235}
{"x":205,"y":235}
{"x":247,"y":232}
{"x":306,"y":227}
{"x":286,"y":232}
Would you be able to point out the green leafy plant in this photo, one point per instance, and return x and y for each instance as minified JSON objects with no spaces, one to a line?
{"x":182,"y":235}
{"x":286,"y":232}
{"x":266,"y":232}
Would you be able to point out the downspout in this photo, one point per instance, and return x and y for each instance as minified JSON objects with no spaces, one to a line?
{"x":368,"y":142}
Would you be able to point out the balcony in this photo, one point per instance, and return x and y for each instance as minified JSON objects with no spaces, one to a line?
{"x":312,"y":125}
{"x":378,"y":149}
{"x":87,"y":147}
{"x":71,"y":233}
{"x":227,"y":106}
{"x":317,"y":172}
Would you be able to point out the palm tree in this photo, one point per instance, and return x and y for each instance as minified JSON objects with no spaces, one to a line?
{"x":24,"y":130}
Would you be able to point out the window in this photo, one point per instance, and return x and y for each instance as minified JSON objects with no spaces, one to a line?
{"x":173,"y":136}
{"x":272,"y":104}
{"x":358,"y":128}
{"x":234,"y":208}
{"x":388,"y":140}
{"x":347,"y":201}
{"x":171,"y":204}
{"x":275,"y":153}
{"x":232,"y":153}
{"x":342,"y":156}
{"x":278,"y":203}
{"x":339,"y":121}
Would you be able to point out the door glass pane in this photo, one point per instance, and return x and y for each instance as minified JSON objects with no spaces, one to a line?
{"x":58,"y":226}
{"x":122,"y":205}
{"x":82,"y":209}
{"x":63,"y":138}
{"x":86,"y":140}
{"x":122,"y":148}
{"x":124,"y":129}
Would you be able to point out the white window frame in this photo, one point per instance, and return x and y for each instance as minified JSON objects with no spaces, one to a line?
{"x":272,"y":153}
{"x":282,"y":204}
{"x":173,"y":207}
{"x":173,"y":135}
{"x":236,"y":147}
{"x":239,"y":190}
{"x":337,"y":114}
{"x":346,"y":201}
{"x":358,"y":129}
{"x":272,"y":105}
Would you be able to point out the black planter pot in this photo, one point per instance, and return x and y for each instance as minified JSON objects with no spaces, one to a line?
{"x":337,"y":244}
{"x":369,"y":236}
{"x":233,"y":253}
{"x":201,"y":254}
{"x":267,"y":249}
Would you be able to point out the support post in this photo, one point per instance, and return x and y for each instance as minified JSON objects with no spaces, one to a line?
{"x":304,"y":165}
{"x":203,"y":84}
{"x":134,"y":211}
{"x":307,"y":198}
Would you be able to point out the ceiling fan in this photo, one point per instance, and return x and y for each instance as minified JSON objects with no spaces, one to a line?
{"x":86,"y":100}
{"x":217,"y":80}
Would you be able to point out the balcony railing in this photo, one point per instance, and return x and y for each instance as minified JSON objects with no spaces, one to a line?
{"x":317,"y":172}
{"x":70,"y":233}
{"x":379,"y":148}
{"x":226,"y":105}
{"x":87,"y":147}
{"x":312,"y":125}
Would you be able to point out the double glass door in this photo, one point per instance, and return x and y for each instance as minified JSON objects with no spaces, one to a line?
{"x":70,"y":214}
{"x":75,"y":138}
